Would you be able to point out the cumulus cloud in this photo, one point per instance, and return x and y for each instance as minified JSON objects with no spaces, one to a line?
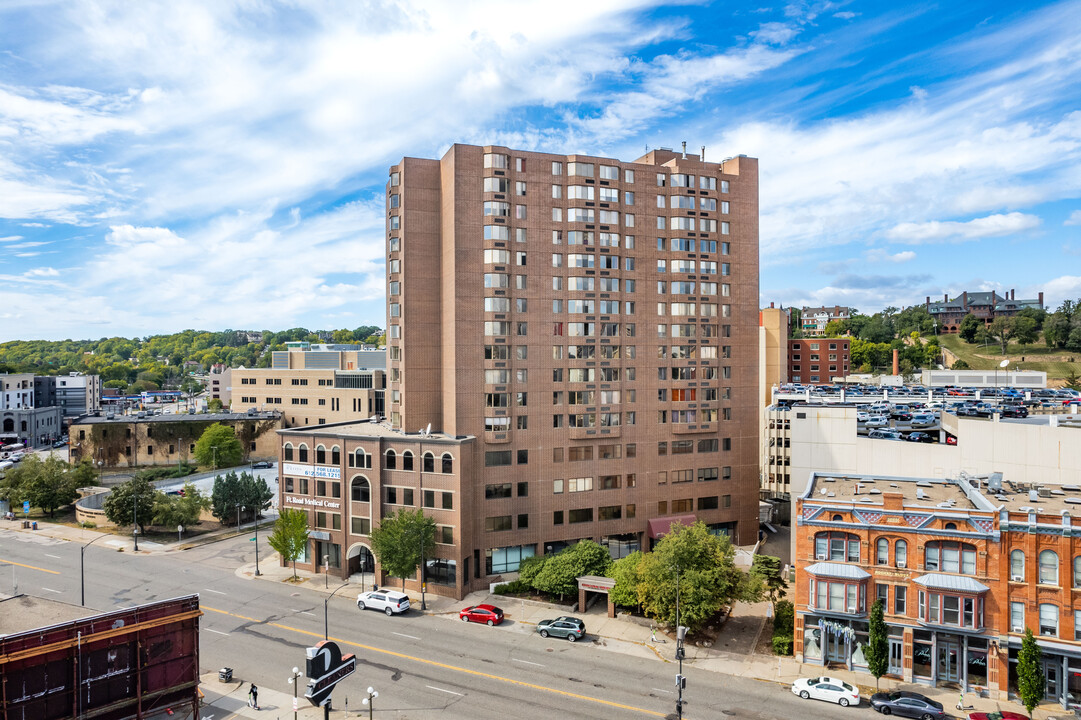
{"x":944,"y":231}
{"x":883,"y":256}
{"x":1074,"y":219}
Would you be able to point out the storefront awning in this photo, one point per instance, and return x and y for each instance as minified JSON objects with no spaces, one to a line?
{"x":839,"y":571}
{"x":956,"y":583}
{"x":659,"y":527}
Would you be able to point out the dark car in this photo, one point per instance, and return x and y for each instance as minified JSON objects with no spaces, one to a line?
{"x":1014,"y":411}
{"x":908,"y":704}
{"x":921,"y":437}
{"x":488,"y":614}
{"x":262,"y":464}
{"x":569,"y":627}
{"x":900,"y":414}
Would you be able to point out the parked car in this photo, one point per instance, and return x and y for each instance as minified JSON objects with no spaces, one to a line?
{"x":1015,"y":411}
{"x":923,"y":419}
{"x":389,"y":601}
{"x":908,"y":704}
{"x":566,"y":626}
{"x":921,"y":437}
{"x":877,"y":421}
{"x":885,"y":434}
{"x":862,"y":416}
{"x":899,"y":413}
{"x":828,"y":689}
{"x":488,"y":614}
{"x":262,"y":464}
{"x":951,"y":440}
{"x":997,"y":715}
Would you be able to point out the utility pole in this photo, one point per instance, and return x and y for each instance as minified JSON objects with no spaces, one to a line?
{"x":681,"y":635}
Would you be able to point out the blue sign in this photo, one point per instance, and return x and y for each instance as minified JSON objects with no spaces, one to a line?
{"x":26,"y":507}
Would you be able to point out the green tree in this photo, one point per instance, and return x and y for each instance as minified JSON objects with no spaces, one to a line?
{"x":398,"y":540}
{"x":172,"y":510}
{"x":835,"y":328}
{"x":215,"y":405}
{"x":120,"y":504}
{"x":960,"y":364}
{"x":290,"y":536}
{"x":1002,"y":330}
{"x":708,"y":577}
{"x":560,"y":572}
{"x":968,"y":328}
{"x":877,"y":651}
{"x":625,"y":572}
{"x":767,"y":569}
{"x":218,"y":447}
{"x":246,"y":491}
{"x":1030,"y":676}
{"x":1072,"y":380}
{"x":1025,"y":331}
{"x":47,"y":484}
{"x":530,"y":568}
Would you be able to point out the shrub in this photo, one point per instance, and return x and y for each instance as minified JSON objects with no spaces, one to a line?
{"x":514,"y":587}
{"x":783,"y":615}
{"x":782,"y":645}
{"x":530,"y":568}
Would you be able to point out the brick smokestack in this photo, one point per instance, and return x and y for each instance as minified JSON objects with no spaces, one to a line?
{"x":1041,"y":298}
{"x":896,"y":362}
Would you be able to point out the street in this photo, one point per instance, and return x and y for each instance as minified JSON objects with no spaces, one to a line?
{"x":423,"y":666}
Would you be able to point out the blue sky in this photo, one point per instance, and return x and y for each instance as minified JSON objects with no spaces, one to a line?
{"x":220,"y":164}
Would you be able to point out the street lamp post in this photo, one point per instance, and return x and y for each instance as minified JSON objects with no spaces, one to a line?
{"x":238,"y":518}
{"x":423,"y":606}
{"x":293,"y":681}
{"x":372,"y":695}
{"x":326,"y":605}
{"x":326,"y":571}
{"x":681,"y":635}
{"x":215,"y":449}
{"x":135,"y":520}
{"x":82,"y":565}
{"x":257,"y":573}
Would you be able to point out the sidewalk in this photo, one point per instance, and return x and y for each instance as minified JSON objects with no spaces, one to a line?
{"x":224,"y":701}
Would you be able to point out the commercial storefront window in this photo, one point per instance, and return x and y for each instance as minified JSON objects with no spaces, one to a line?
{"x":921,"y":654}
{"x":441,"y":571}
{"x":506,"y":559}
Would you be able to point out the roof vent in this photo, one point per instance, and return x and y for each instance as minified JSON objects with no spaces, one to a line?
{"x":944,"y":505}
{"x":865,"y":500}
{"x":1027,"y":509}
{"x":1073,"y":501}
{"x":1072,"y":488}
{"x":1044,"y":491}
{"x":923,"y":483}
{"x":920,"y":494}
{"x":893,"y":485}
{"x":1034,"y":495}
{"x":875,"y":491}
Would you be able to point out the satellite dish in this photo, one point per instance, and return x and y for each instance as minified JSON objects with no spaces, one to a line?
{"x":428,"y":430}
{"x":1004,"y":363}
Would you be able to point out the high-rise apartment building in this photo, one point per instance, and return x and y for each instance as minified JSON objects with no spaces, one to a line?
{"x":594,"y":324}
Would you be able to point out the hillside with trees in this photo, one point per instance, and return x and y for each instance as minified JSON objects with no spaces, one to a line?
{"x":159,"y":362}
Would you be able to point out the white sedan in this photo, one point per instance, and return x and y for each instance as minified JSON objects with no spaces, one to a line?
{"x":828,"y":689}
{"x":877,"y":421}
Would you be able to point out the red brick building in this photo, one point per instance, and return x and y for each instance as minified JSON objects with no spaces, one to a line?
{"x":963,"y":566}
{"x":817,"y":361}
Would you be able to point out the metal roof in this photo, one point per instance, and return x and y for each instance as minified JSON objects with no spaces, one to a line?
{"x":959,"y":583}
{"x":840,"y":571}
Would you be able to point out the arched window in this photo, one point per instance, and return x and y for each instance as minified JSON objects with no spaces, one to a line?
{"x":948,"y":556}
{"x":407,"y":460}
{"x":900,"y":554}
{"x":288,"y":451}
{"x":882,"y":552}
{"x":361,"y":489}
{"x":448,"y":464}
{"x":1017,"y":565}
{"x":362,"y":459}
{"x":320,"y":455}
{"x":837,"y":546}
{"x":302,"y":453}
{"x":838,"y":518}
{"x":391,"y":461}
{"x":1077,"y":572}
{"x":429,"y":463}
{"x":335,"y":456}
{"x":950,"y":526}
{"x":1048,"y":568}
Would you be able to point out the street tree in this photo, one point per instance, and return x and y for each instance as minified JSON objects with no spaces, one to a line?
{"x":246,"y":491}
{"x":625,"y":572}
{"x":1025,"y":331}
{"x":218,"y":446}
{"x":1002,"y":330}
{"x":121,"y":502}
{"x":1030,"y":674}
{"x":290,"y":536}
{"x":877,"y":650}
{"x":172,"y":510}
{"x":215,"y":405}
{"x":959,"y":364}
{"x":560,"y":572}
{"x":708,"y":577}
{"x":400,"y":541}
{"x":968,"y":328}
{"x":767,"y":569}
{"x":47,"y":484}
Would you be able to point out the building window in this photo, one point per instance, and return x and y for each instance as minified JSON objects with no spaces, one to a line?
{"x":391,"y":461}
{"x":900,"y":554}
{"x":900,"y":597}
{"x":361,"y":490}
{"x":1017,"y":565}
{"x":1077,"y":572}
{"x":837,"y":546}
{"x":1048,"y":620}
{"x":882,"y":551}
{"x":1017,"y":617}
{"x":1048,"y":568}
{"x":839,"y":597}
{"x":951,"y":557}
{"x":407,"y":460}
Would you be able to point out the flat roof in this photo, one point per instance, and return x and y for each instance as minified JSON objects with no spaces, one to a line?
{"x":178,"y":417}
{"x":868,"y":490}
{"x":369,"y":429}
{"x":26,"y":612}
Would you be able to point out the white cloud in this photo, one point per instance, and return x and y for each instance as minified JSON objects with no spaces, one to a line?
{"x":11,"y":238}
{"x":1074,"y":219}
{"x":880,"y":255}
{"x":42,"y":272}
{"x":1055,"y":290}
{"x":774,"y":33}
{"x":952,"y":231}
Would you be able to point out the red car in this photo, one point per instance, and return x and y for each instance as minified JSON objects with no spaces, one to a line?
{"x":489,"y":614}
{"x":1002,"y":715}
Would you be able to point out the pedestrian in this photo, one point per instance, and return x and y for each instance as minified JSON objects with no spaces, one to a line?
{"x":253,"y":697}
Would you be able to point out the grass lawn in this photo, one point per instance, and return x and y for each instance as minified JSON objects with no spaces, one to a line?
{"x":66,"y":516}
{"x":1052,"y":361}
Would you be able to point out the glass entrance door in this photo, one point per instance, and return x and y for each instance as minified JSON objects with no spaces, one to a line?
{"x":1052,"y":669}
{"x":835,"y":648}
{"x":948,"y":666}
{"x":896,"y":648}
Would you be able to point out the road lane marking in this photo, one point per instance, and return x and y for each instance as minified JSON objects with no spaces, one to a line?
{"x":433,"y":687}
{"x":527,"y":662}
{"x":58,"y":592}
{"x":217,"y":592}
{"x":663,"y":691}
{"x":305,"y":612}
{"x":29,"y":567}
{"x":55,"y":557}
{"x":411,"y":637}
{"x":218,"y":632}
{"x":446,"y":666}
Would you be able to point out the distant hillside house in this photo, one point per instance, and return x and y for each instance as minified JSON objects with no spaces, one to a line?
{"x":814,"y":319}
{"x":986,"y":306}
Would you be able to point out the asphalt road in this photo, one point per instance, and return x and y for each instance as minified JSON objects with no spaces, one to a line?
{"x":423,"y":666}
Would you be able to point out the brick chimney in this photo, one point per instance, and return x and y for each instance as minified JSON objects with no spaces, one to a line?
{"x":964,"y":300}
{"x":1041,"y":298}
{"x":945,"y":297}
{"x":893,"y":501}
{"x":896,"y":362}
{"x":1013,"y":294}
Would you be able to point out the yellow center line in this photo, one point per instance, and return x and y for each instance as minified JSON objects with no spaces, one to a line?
{"x":29,"y":567}
{"x":445,"y":666}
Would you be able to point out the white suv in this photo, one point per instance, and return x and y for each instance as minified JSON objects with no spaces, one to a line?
{"x":389,"y":601}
